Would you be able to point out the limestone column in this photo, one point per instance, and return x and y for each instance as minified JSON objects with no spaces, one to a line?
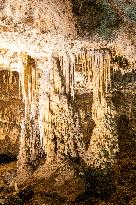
{"x":29,"y":147}
{"x":104,"y":140}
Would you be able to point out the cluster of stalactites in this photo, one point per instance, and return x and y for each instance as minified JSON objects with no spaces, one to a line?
{"x":84,"y":63}
{"x":63,"y":74}
{"x":95,"y":65}
{"x":92,"y":62}
{"x":101,"y":82}
{"x":60,"y":130}
{"x":104,"y":141}
{"x":58,"y":124}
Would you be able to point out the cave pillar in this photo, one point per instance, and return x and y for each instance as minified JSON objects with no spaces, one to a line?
{"x":104,"y":140}
{"x":29,"y":140}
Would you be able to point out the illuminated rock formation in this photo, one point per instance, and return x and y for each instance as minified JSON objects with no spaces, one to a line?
{"x":51,"y":123}
{"x":67,"y":102}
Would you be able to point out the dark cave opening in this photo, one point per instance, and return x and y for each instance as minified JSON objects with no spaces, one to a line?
{"x":7,"y":158}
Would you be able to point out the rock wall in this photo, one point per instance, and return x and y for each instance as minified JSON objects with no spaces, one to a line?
{"x":11,"y":110}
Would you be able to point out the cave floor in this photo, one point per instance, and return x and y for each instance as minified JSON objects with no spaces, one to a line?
{"x":124,"y":194}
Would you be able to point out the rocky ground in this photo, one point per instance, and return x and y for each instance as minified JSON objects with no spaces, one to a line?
{"x":67,"y":182}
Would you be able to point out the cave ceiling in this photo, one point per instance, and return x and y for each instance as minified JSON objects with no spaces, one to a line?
{"x":103,"y":17}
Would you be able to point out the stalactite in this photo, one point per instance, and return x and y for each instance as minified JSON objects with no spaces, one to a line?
{"x":90,"y":66}
{"x":72,"y":69}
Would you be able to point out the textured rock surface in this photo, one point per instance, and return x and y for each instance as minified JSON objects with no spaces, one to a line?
{"x":44,"y":16}
{"x":11,"y":109}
